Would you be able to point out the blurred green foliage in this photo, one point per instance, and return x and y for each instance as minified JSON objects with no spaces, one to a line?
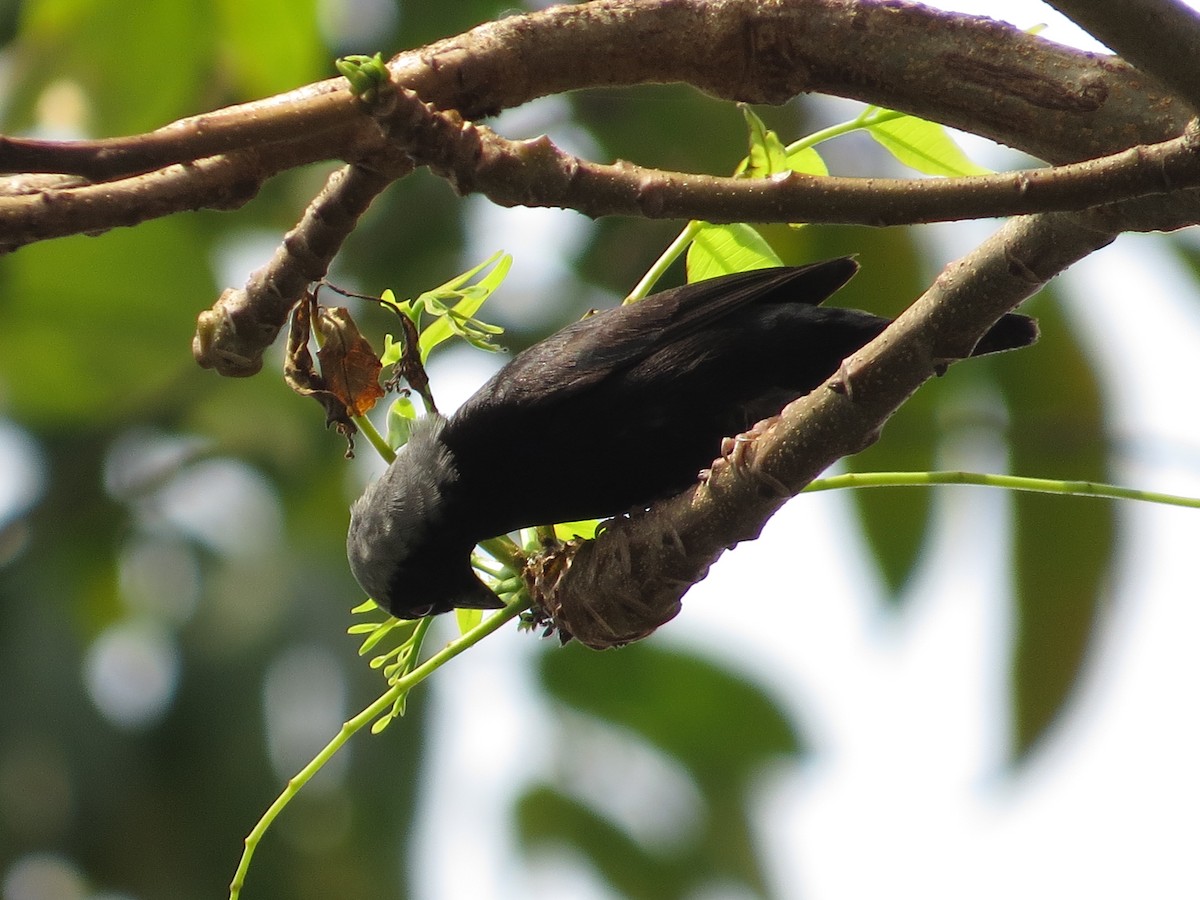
{"x":213,"y":512}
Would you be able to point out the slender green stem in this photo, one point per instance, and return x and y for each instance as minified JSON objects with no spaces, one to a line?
{"x":415,"y":642}
{"x":668,"y":256}
{"x":1011,"y":482}
{"x":296,"y":782}
{"x":505,"y":550}
{"x":379,"y":707}
{"x":872,"y":115}
{"x":367,"y":427}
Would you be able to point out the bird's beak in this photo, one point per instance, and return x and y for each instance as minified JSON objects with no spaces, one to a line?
{"x":477,"y":596}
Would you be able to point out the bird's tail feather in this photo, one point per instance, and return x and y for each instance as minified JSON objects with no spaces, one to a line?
{"x":1010,"y":333}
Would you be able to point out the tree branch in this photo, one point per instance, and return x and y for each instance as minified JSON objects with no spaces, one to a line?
{"x":1059,"y":104}
{"x":536,"y":173}
{"x":311,"y":116}
{"x":1160,"y":37}
{"x":232,"y":336}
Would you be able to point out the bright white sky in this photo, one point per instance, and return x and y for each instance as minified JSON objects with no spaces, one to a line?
{"x":906,"y":795}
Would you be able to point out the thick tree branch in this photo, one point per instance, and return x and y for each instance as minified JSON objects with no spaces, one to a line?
{"x":992,"y":79}
{"x":1058,"y":104}
{"x":536,"y":173}
{"x":1160,"y":37}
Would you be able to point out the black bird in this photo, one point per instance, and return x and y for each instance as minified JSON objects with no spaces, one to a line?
{"x":608,"y":415}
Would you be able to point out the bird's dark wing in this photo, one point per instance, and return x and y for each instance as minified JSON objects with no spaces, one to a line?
{"x":598,"y":348}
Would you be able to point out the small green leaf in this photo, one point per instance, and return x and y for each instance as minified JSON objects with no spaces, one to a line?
{"x":767,"y":153}
{"x":400,"y":418}
{"x":723,"y":249}
{"x":377,"y":635}
{"x":807,"y":161}
{"x":924,"y":146}
{"x":467,"y":619}
{"x":392,"y":351}
{"x":455,"y":304}
{"x":365,"y":73}
{"x":585,"y":529}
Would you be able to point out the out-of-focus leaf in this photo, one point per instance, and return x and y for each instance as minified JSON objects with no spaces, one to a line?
{"x":722,"y":249}
{"x":295,"y":54}
{"x":1063,"y":547}
{"x":1186,"y":250}
{"x":720,"y":727}
{"x":136,"y":72}
{"x":665,"y":126}
{"x":896,"y":522}
{"x":97,"y":326}
{"x":423,"y":21}
{"x":546,"y":818}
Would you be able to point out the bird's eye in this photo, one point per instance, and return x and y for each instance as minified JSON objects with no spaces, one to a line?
{"x":418,"y":612}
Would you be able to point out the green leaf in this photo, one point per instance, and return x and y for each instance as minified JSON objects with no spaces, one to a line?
{"x":1063,"y":547}
{"x":924,"y":146}
{"x":467,"y":619}
{"x":896,"y":522}
{"x":546,"y":817}
{"x":455,"y":304}
{"x":272,"y":45}
{"x":723,"y":249}
{"x":721,"y":730}
{"x":807,"y":161}
{"x":719,"y":726}
{"x":400,"y":418}
{"x":586,"y":529}
{"x":136,"y":72}
{"x":767,"y":153}
{"x":81,"y":345}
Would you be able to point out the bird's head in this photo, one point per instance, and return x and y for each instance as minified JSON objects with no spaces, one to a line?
{"x":403,"y":546}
